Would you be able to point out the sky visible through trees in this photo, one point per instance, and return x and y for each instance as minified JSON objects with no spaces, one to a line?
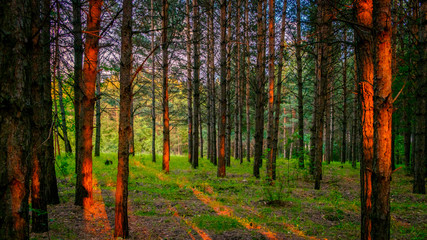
{"x":255,"y":109}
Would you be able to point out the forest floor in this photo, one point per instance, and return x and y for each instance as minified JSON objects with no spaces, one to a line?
{"x":195,"y":204}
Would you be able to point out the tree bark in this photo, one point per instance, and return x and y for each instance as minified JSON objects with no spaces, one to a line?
{"x":98,"y":116}
{"x":228,"y":87}
{"x":259,"y":90}
{"x":196,"y":83}
{"x":300,"y":85}
{"x":189,"y":86}
{"x":247,"y":73}
{"x":165,"y":67}
{"x":15,"y":118}
{"x":121,"y":227}
{"x":223,"y":63}
{"x":344,"y":113}
{"x":421,"y":109}
{"x":211,"y":70}
{"x":84,"y":176}
{"x":271,"y":68}
{"x":365,"y":68}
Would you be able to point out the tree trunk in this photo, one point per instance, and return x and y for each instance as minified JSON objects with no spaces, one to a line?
{"x":51,"y":187}
{"x":383,"y":109}
{"x":223,"y":101}
{"x":247,"y":75}
{"x":196,"y":83}
{"x":201,"y":134}
{"x":238,"y":118}
{"x":84,"y":176}
{"x":15,"y":118}
{"x":165,"y":67}
{"x":98,"y":115}
{"x":189,"y":86}
{"x":153,"y":90}
{"x":259,"y":90}
{"x":38,"y":173}
{"x":228,"y":90}
{"x":365,"y":76}
{"x":344,"y":119}
{"x":271,"y":68}
{"x":121,"y":227}
{"x":278,"y":99}
{"x":421,"y":109}
{"x":300,"y":85}
{"x":211,"y":70}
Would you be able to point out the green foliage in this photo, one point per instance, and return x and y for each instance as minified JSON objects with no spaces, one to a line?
{"x":216,"y":223}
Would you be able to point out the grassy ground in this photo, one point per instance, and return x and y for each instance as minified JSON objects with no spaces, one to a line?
{"x":195,"y":204}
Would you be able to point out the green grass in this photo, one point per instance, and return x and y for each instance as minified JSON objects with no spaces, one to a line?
{"x":332,"y":212}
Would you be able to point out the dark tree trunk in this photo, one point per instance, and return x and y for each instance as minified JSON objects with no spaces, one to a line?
{"x":421,"y":109}
{"x":51,"y":187}
{"x":228,"y":90}
{"x":211,"y":71}
{"x":121,"y":227}
{"x":247,"y":73}
{"x":153,"y":90}
{"x":300,"y":85}
{"x":38,"y":172}
{"x":344,"y":113}
{"x":271,"y":68}
{"x":84,"y":176}
{"x":259,"y":90}
{"x":189,"y":86}
{"x":98,"y":116}
{"x":165,"y":67}
{"x":238,"y":111}
{"x":15,"y":118}
{"x":196,"y":83}
{"x":223,"y":101}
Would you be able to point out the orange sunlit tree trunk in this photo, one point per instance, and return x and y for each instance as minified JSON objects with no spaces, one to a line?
{"x":84,"y":176}
{"x":121,"y":228}
{"x":365,"y":71}
{"x":15,"y":118}
{"x":165,"y":66}
{"x":383,"y":109}
{"x":223,"y":89}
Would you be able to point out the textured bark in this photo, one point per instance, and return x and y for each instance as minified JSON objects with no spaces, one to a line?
{"x":278,"y":99}
{"x":196,"y":83}
{"x":383,"y":109}
{"x":153,"y":90}
{"x":421,"y":109}
{"x":364,"y":45}
{"x":15,"y":118}
{"x":344,"y":119}
{"x":300,"y":85}
{"x":51,"y":187}
{"x":165,"y":67}
{"x":84,"y":175}
{"x":247,"y":73}
{"x":271,"y":68}
{"x":189,"y":86}
{"x":238,"y":99}
{"x":228,"y":90}
{"x":38,"y":172}
{"x":223,"y":102}
{"x":259,"y":89}
{"x":121,"y":227}
{"x":78,"y":94}
{"x":211,"y":69}
{"x":322,"y":78}
{"x":98,"y":115}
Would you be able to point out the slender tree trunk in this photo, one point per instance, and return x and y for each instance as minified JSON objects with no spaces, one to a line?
{"x":228,"y":87}
{"x":247,"y":73}
{"x":51,"y":187}
{"x":406,"y":134}
{"x":84,"y":176}
{"x":98,"y":116}
{"x":383,"y":109}
{"x":153,"y":90}
{"x":201,"y":134}
{"x":421,"y":109}
{"x":223,"y":101}
{"x":259,"y":90}
{"x":238,"y":120}
{"x":354,"y":127}
{"x":344,"y":121}
{"x":78,"y":94}
{"x":121,"y":227}
{"x":15,"y":131}
{"x":300,"y":85}
{"x":63,"y":119}
{"x":365,"y":76}
{"x":189,"y":86}
{"x":278,"y":99}
{"x":196,"y":83}
{"x":165,"y":67}
{"x":271,"y":69}
{"x":38,"y":173}
{"x":211,"y":70}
